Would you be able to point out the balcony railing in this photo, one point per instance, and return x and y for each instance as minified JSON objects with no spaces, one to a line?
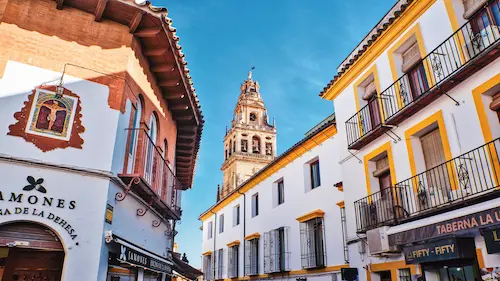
{"x":471,"y":177}
{"x":146,"y":162}
{"x":433,"y":76}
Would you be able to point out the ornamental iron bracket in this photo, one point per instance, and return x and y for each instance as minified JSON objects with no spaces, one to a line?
{"x":120,"y":196}
{"x":395,"y":138}
{"x":156,"y":223}
{"x":141,"y":212}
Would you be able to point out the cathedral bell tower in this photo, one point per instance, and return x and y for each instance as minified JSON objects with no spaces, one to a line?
{"x":250,"y":143}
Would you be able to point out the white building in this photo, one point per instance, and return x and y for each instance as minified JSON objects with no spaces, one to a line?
{"x":283,"y":222}
{"x":417,"y":103}
{"x":98,"y":138}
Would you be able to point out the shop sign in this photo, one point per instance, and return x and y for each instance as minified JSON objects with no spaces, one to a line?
{"x":32,"y":200}
{"x":109,"y":214}
{"x":449,"y":227}
{"x":446,"y":249}
{"x":492,"y":241}
{"x":134,"y":257}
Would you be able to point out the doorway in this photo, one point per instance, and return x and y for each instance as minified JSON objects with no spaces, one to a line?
{"x":33,"y":252}
{"x":385,"y":275}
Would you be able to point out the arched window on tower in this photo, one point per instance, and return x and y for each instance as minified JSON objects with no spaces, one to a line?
{"x":255,"y":144}
{"x":230,"y":147}
{"x":269,"y":148}
{"x":244,"y":145}
{"x":132,"y":152}
{"x":150,"y":149}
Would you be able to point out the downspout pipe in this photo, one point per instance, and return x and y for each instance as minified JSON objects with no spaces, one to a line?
{"x":215,"y":239}
{"x":244,"y":227}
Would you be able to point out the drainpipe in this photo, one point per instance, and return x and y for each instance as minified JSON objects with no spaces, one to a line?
{"x":244,"y":227}
{"x":215,"y":238}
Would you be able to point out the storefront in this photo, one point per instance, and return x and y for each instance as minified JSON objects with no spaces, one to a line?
{"x":465,"y":248}
{"x":129,"y":262}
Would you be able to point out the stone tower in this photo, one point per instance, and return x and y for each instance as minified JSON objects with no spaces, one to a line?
{"x":250,"y":143}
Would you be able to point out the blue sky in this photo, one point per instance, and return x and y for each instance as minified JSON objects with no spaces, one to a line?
{"x":295,"y":45}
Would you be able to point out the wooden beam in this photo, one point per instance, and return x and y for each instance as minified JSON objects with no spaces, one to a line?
{"x":167,"y":67}
{"x":148,"y":32}
{"x":184,"y":118}
{"x":59,"y":4}
{"x":136,"y":20}
{"x":155,"y":52}
{"x":176,"y":96}
{"x":99,"y":9}
{"x":187,"y":158}
{"x":191,"y":137}
{"x":169,"y":83}
{"x":179,"y":107}
{"x":187,"y":129}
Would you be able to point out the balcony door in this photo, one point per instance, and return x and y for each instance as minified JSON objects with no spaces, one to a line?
{"x":436,"y":175}
{"x":133,"y":138}
{"x":374,"y":112}
{"x":418,"y":81}
{"x":150,"y":150}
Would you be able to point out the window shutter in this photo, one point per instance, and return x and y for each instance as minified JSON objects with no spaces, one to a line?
{"x":472,"y":6}
{"x":267,"y":257}
{"x":248,"y":257}
{"x":230,"y":262}
{"x":303,"y":245}
{"x":495,"y":103}
{"x":382,"y":166}
{"x":370,"y":91}
{"x":411,"y":57}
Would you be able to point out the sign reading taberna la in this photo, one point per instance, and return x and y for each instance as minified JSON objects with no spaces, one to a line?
{"x":440,"y":250}
{"x":134,"y":257}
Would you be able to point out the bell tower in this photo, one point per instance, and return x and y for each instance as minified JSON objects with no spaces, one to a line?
{"x":250,"y":143}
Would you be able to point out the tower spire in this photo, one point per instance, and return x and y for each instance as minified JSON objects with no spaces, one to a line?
{"x":250,"y":73}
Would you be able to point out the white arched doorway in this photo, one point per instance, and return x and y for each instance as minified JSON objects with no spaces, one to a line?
{"x":30,"y":251}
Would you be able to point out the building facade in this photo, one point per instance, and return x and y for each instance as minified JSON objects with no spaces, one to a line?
{"x":99,"y":133}
{"x":267,"y":229}
{"x":250,"y":143}
{"x":417,"y":105}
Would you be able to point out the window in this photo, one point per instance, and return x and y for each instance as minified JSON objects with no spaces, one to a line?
{"x":244,"y":145}
{"x":221,"y":223}
{"x":219,"y":264}
{"x":276,"y":255}
{"x":255,"y":144}
{"x":269,"y":148}
{"x":404,"y":274}
{"x":230,"y":147}
{"x":133,"y":139}
{"x":252,"y":257}
{"x":150,"y":149}
{"x":255,"y":205}
{"x":236,"y":215}
{"x":209,"y":230}
{"x":312,"y":243}
{"x":234,"y":146}
{"x":233,"y":261}
{"x":208,"y":267}
{"x":281,"y":192}
{"x":433,"y":152}
{"x":253,"y":117}
{"x":315,"y":177}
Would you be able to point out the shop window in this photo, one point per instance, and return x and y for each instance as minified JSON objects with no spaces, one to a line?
{"x":233,"y":261}
{"x":312,"y":243}
{"x":269,"y":148}
{"x":244,"y":145}
{"x":252,"y":257}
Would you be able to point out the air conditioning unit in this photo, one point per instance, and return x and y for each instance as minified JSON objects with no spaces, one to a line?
{"x":378,"y":241}
{"x":481,"y":40}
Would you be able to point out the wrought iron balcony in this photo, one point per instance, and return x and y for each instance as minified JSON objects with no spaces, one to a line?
{"x":467,"y":179}
{"x":148,"y":174}
{"x":466,"y":51}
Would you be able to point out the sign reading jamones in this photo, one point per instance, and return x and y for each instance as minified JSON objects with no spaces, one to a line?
{"x":33,"y":201}
{"x":481,"y":219}
{"x":134,"y":257}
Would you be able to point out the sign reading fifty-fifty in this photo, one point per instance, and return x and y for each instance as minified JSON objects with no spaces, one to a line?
{"x":492,"y":241}
{"x":445,"y":249}
{"x":134,"y":257}
{"x":453,"y":226}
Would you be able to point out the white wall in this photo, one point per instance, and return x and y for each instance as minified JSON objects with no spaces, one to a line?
{"x":297,"y":203}
{"x":87,"y":218}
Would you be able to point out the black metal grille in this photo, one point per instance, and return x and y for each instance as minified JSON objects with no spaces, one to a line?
{"x":276,"y":253}
{"x":252,"y":257}
{"x":232,"y":261}
{"x":312,"y":243}
{"x":466,"y":177}
{"x":476,"y":37}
